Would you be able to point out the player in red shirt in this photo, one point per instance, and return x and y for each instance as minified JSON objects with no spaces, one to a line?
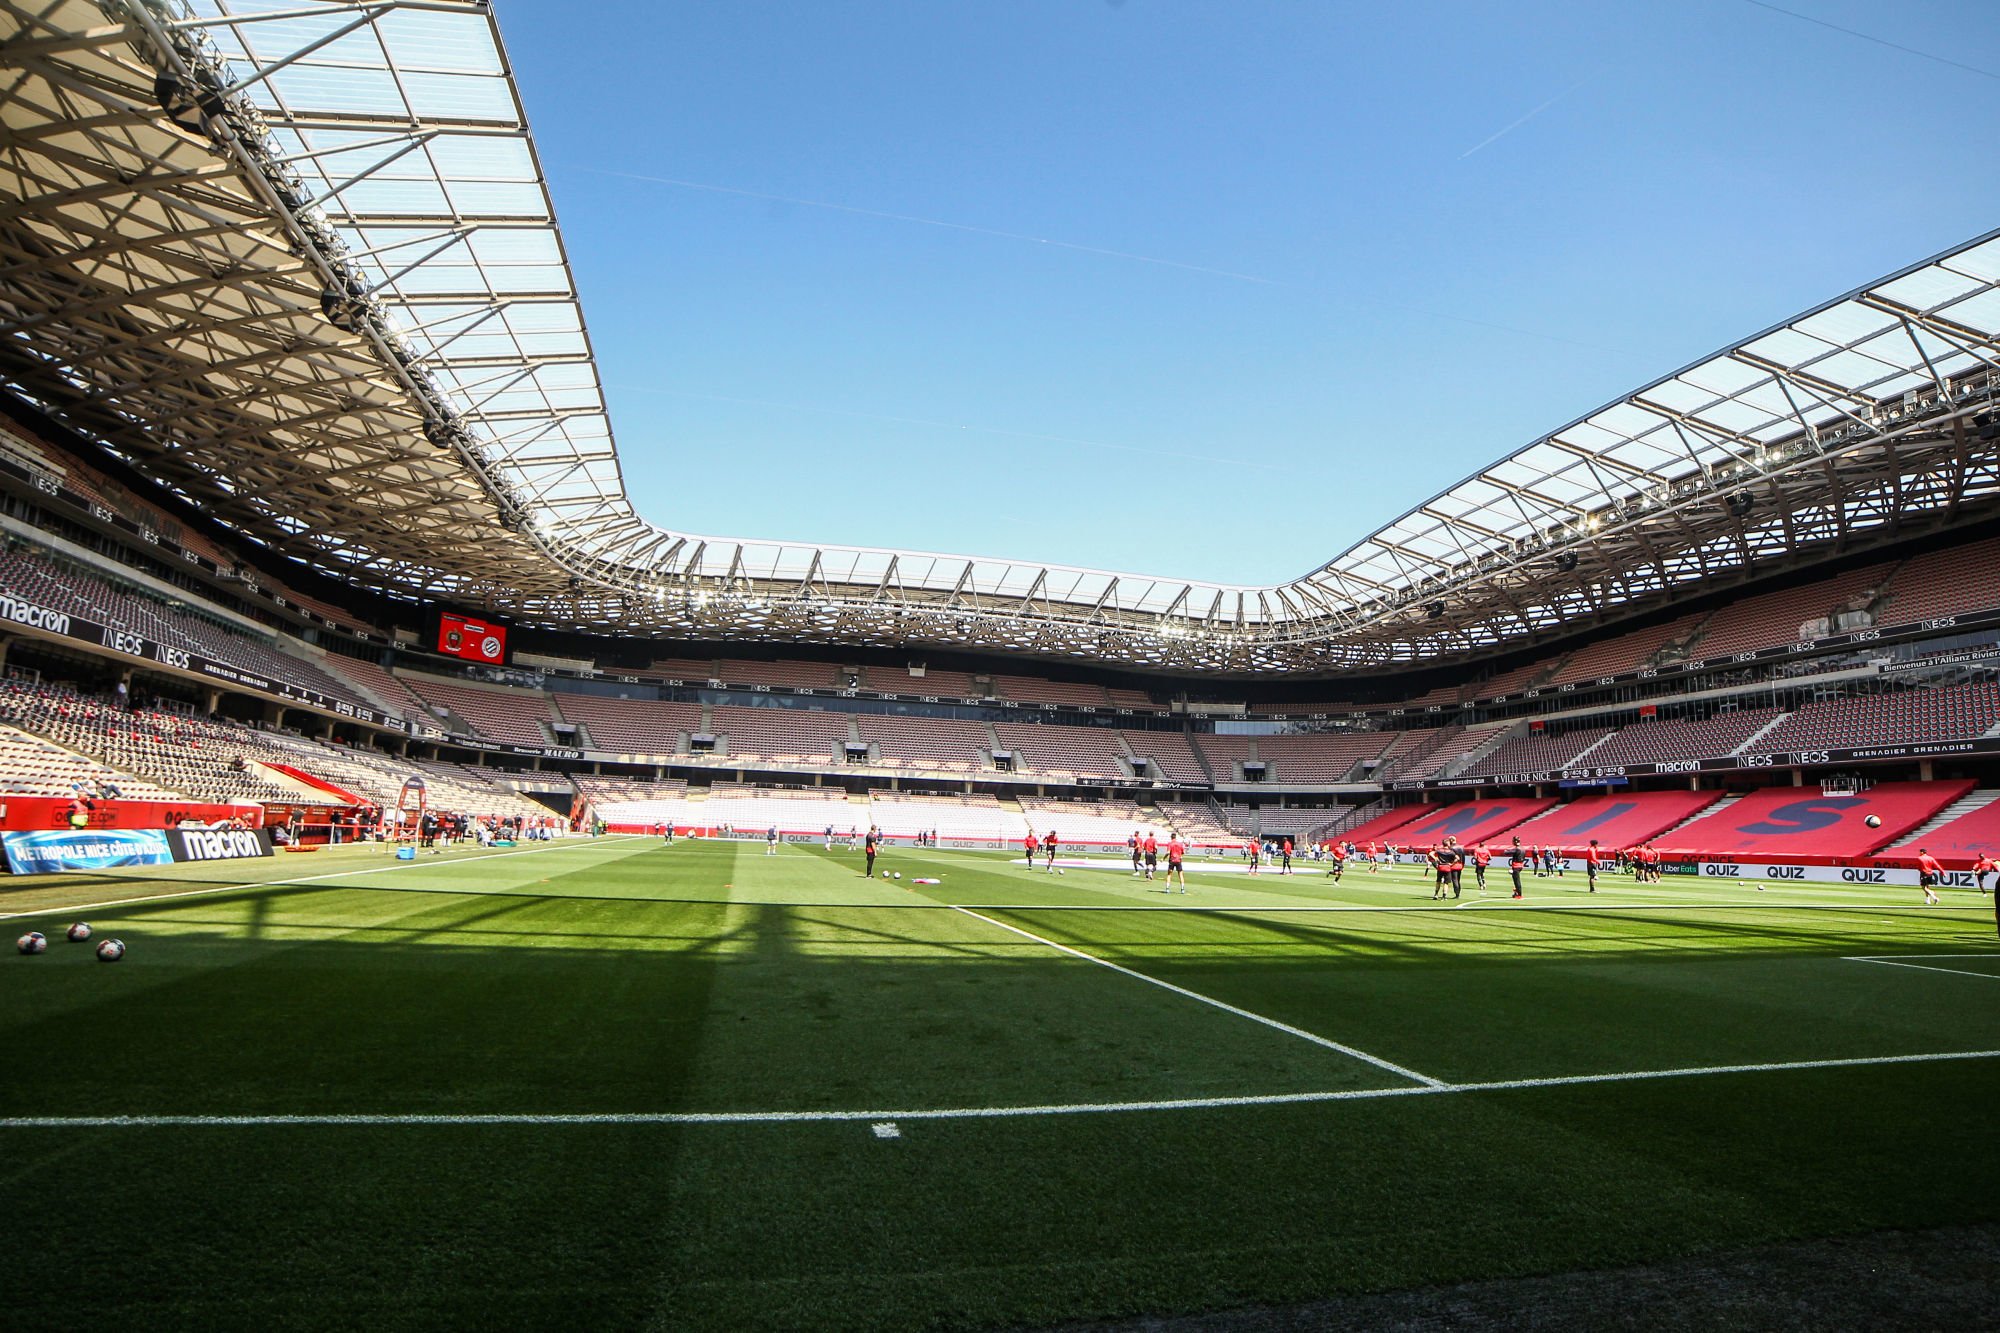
{"x":1028,"y":845}
{"x":1374,"y":858}
{"x":1590,"y":863}
{"x":1981,"y":868}
{"x":1929,"y":873}
{"x":1152,"y":848}
{"x":1176,"y":869}
{"x":1049,"y":851}
{"x":1256,"y":853}
{"x":1482,"y":855}
{"x":1336,"y":856}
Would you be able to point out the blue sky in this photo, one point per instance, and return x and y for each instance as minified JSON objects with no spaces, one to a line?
{"x":1203,"y":289}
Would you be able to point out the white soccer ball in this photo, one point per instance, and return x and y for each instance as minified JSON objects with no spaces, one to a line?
{"x":32,"y":942}
{"x":110,"y":951}
{"x":1061,"y":871}
{"x":897,"y":875}
{"x":80,"y":931}
{"x":1873,"y":821}
{"x":885,"y":874}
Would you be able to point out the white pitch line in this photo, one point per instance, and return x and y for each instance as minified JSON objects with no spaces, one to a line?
{"x":420,"y":1119}
{"x":1926,"y":967}
{"x":1272,"y":1023}
{"x":66,"y":909}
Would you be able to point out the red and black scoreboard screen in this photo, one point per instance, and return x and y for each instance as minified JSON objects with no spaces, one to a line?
{"x":473,"y":640}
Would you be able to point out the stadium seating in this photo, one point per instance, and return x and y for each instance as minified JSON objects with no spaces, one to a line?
{"x":1535,"y":752}
{"x":494,"y":711}
{"x":1076,"y":752}
{"x":1621,"y":653}
{"x":1172,"y":754}
{"x":387,"y":690}
{"x":906,"y":814}
{"x":949,"y":745}
{"x":1384,"y":827}
{"x":1470,"y":822}
{"x":1653,"y":742}
{"x":1804,"y":822}
{"x":782,"y":735}
{"x":37,"y":578}
{"x":632,"y":726}
{"x":1777,"y":617}
{"x":1034,"y":690}
{"x":781,"y":675}
{"x":1616,"y":820}
{"x":754,"y":809}
{"x":1092,"y":822}
{"x":1940,"y":713}
{"x":1943,"y":583}
{"x":1969,"y":829}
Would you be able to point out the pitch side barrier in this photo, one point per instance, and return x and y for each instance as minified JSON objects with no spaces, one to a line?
{"x":818,"y":837}
{"x":1893,"y":870}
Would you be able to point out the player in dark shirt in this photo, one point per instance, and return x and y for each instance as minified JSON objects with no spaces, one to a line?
{"x":868,"y":850}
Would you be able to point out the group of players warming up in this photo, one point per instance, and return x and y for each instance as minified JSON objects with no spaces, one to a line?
{"x":1447,"y":860}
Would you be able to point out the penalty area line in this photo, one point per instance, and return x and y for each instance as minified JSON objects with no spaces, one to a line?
{"x":420,"y":1119}
{"x":1929,"y":967}
{"x":1286,"y":1028}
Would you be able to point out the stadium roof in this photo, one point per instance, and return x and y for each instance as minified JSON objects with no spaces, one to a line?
{"x":298,"y":259}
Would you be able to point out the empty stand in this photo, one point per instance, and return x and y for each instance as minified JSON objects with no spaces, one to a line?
{"x":1034,"y":690}
{"x":782,"y":735}
{"x":1803,"y":822}
{"x":1656,"y":742}
{"x":1078,"y":752}
{"x":1537,"y":752}
{"x":1928,"y":713}
{"x":1944,"y":583}
{"x":1622,"y":653}
{"x":494,"y":711}
{"x":1965,"y":830}
{"x":632,"y":726}
{"x":1171,"y":753}
{"x":937,"y":744}
{"x":1470,"y":821}
{"x":1776,"y":617}
{"x":1617,"y":820}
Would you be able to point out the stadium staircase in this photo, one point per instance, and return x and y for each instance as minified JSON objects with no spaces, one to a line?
{"x":1353,"y":818}
{"x":1973,"y":801}
{"x":1759,"y":735}
{"x":1577,"y":760}
{"x":1704,"y":813}
{"x":1478,"y":753}
{"x":1201,"y":757}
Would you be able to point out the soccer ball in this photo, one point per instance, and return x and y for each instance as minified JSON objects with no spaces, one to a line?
{"x":885,"y":874}
{"x":1873,"y":821}
{"x":80,"y":932}
{"x":110,"y":951}
{"x":32,"y":942}
{"x":1061,"y":871}
{"x":897,"y":875}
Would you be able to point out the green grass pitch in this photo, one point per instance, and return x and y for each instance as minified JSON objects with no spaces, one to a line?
{"x":620,"y":1083}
